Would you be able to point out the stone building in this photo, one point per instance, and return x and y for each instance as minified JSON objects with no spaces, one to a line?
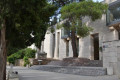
{"x":103,"y":43}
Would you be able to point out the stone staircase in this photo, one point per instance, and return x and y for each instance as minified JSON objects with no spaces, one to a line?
{"x":77,"y":70}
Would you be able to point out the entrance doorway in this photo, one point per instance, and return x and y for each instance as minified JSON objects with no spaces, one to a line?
{"x":95,"y":44}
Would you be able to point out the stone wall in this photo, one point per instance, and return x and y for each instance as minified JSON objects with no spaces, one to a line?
{"x":85,"y":44}
{"x":99,"y":27}
{"x":20,"y":62}
{"x":111,"y":56}
{"x":85,"y":71}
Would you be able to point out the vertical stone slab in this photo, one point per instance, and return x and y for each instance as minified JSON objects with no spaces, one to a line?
{"x":57,"y":45}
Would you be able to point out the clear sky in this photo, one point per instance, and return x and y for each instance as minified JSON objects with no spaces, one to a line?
{"x":98,"y":0}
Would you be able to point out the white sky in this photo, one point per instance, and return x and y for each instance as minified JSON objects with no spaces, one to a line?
{"x":98,"y":0}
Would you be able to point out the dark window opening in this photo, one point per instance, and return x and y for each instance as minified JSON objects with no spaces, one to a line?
{"x":67,"y":48}
{"x":96,"y":46}
{"x":118,"y":35}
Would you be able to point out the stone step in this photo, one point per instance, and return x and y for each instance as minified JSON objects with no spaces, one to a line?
{"x":85,"y":71}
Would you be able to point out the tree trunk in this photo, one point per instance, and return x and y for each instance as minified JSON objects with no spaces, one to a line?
{"x":74,"y":47}
{"x":2,"y":54}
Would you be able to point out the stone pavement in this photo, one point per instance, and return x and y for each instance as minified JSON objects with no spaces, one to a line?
{"x":28,"y":74}
{"x":84,"y":71}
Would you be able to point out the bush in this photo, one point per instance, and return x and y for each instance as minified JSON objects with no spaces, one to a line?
{"x":11,"y":59}
{"x":26,"y":61}
{"x":11,"y":50}
{"x":28,"y":52}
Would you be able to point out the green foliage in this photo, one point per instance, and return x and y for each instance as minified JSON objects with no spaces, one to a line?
{"x":28,"y":52}
{"x":52,"y":30}
{"x":25,"y":17}
{"x":59,"y":26}
{"x":84,"y":8}
{"x":74,"y":13}
{"x":26,"y":61}
{"x":84,"y":30}
{"x":12,"y":50}
{"x":11,"y":59}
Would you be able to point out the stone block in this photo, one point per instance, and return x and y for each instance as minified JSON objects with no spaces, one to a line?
{"x":115,"y":67}
{"x":113,"y":49}
{"x":106,"y":64}
{"x":109,"y":71}
{"x":105,"y":54}
{"x":113,"y":59}
{"x":113,"y":44}
{"x":112,"y":54}
{"x":118,"y":49}
{"x":106,"y":50}
{"x":106,"y":59}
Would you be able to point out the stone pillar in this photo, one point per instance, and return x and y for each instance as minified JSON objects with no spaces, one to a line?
{"x":42,"y":46}
{"x":57,"y":45}
{"x":37,"y":53}
{"x":51,"y":45}
{"x":92,"y":48}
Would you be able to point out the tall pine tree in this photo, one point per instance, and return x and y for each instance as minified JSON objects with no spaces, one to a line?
{"x":19,"y":19}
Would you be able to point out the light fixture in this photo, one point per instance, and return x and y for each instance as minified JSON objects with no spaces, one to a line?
{"x":78,"y":36}
{"x":111,"y":28}
{"x":68,"y":38}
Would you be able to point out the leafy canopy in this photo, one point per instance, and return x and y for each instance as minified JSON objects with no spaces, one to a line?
{"x":84,"y":8}
{"x":74,"y":12}
{"x":24,"y":18}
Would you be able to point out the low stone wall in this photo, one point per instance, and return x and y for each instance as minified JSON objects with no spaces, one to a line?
{"x":85,"y":71}
{"x":20,"y":62}
{"x":78,"y":62}
{"x":111,"y":57}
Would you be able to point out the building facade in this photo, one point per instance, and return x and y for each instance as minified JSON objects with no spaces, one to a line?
{"x":103,"y":43}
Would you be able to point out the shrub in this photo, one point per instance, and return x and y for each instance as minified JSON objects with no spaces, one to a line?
{"x":28,"y":52}
{"x":11,"y":59}
{"x":26,"y":61}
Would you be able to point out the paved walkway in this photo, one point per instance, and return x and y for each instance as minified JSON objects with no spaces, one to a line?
{"x":28,"y":74}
